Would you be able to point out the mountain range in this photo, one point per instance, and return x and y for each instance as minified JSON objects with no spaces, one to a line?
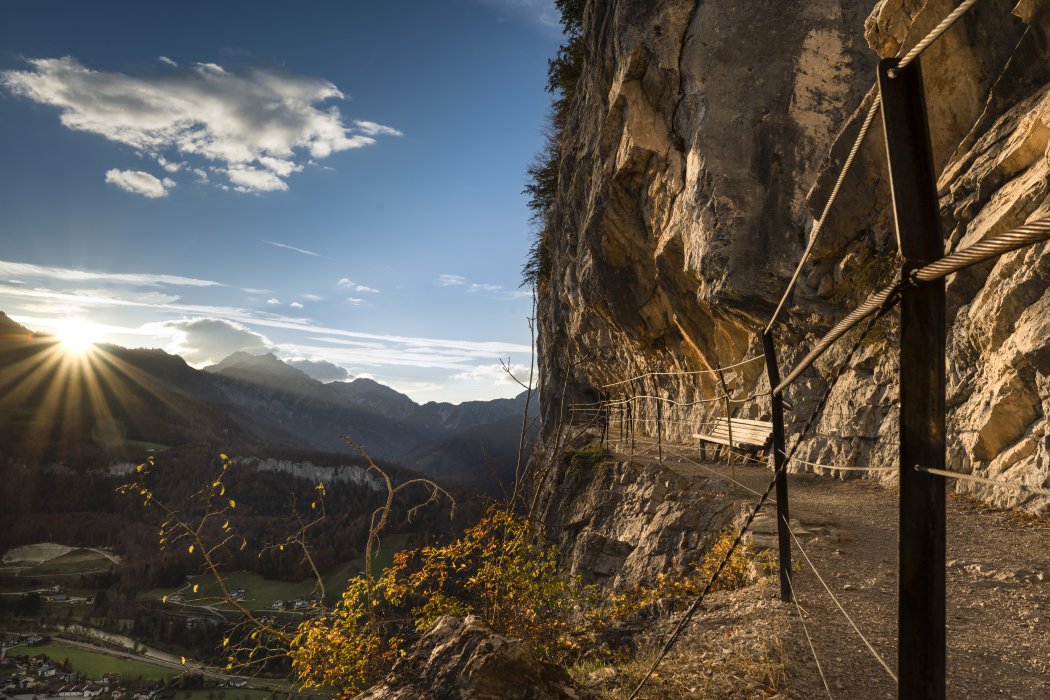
{"x":116,"y":402}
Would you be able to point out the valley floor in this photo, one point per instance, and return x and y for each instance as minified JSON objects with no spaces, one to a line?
{"x":998,"y":598}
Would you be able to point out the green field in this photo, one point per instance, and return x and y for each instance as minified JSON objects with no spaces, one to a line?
{"x":94,"y":664}
{"x":79,"y":561}
{"x":229,"y":694}
{"x":260,"y":593}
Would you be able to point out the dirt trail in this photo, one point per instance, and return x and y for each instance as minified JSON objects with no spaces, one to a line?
{"x":998,"y":599}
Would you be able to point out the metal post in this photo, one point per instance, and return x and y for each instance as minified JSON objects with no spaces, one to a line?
{"x":921,"y":598}
{"x":660,"y":429}
{"x":604,"y":408}
{"x":779,"y":459}
{"x":729,"y":421}
{"x":630,"y":423}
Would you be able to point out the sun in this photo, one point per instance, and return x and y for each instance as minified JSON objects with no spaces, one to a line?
{"x":76,"y":337}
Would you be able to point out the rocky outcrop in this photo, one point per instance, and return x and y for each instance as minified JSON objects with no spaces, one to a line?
{"x":622,"y":523}
{"x":686,"y":194}
{"x":462,"y":658}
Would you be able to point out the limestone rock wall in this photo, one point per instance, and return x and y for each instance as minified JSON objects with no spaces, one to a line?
{"x":703,"y":139}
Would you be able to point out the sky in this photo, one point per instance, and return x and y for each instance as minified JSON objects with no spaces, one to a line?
{"x":339,"y":183}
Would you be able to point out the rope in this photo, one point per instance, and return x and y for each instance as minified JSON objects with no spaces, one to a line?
{"x":934,"y":34}
{"x":719,"y":399}
{"x":683,"y":372}
{"x":982,"y":480}
{"x":845,"y":469}
{"x":809,"y":640}
{"x":841,"y":609}
{"x":864,"y":128}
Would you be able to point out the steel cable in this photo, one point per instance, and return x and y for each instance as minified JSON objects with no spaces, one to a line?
{"x":820,"y":578}
{"x":983,"y":480}
{"x":935,"y":34}
{"x":857,"y":143}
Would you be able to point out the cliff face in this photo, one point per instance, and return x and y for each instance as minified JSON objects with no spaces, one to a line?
{"x":686,"y":194}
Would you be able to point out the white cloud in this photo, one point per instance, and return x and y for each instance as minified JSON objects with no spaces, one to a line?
{"x":373,"y":129}
{"x":203,"y":341}
{"x":479,"y":287}
{"x":273,"y":300}
{"x":140,"y":182}
{"x":304,"y":251}
{"x":321,"y":370}
{"x":296,"y":305}
{"x":258,"y":125}
{"x":65,"y":274}
{"x":494,"y":374}
{"x":348,"y":284}
{"x":313,"y":297}
{"x":451,"y":280}
{"x":168,"y":165}
{"x":355,"y":301}
{"x":248,"y":179}
{"x":167,"y":61}
{"x":282,"y":167}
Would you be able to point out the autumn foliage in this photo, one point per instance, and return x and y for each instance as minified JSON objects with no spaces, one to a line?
{"x":496,"y":571}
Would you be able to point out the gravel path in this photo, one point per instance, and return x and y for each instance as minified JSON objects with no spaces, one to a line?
{"x":998,"y":600}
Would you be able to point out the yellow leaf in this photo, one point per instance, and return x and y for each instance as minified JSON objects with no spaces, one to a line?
{"x":223,"y":457}
{"x":313,"y":505}
{"x":233,"y":503}
{"x":183,"y":660}
{"x":191,"y":549}
{"x":226,"y":641}
{"x":226,"y":525}
{"x":222,"y":491}
{"x":139,"y":468}
{"x":195,"y":587}
{"x":281,"y":547}
{"x":164,"y":599}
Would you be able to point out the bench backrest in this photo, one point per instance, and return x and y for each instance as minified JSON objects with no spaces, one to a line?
{"x":746,"y":432}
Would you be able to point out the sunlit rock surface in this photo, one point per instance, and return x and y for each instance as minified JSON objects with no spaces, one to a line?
{"x":703,"y":140}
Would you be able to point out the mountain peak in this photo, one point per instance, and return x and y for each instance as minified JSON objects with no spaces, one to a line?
{"x":10,"y":328}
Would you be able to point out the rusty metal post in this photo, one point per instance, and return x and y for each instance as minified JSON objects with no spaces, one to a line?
{"x":780,"y":467}
{"x":921,"y":548}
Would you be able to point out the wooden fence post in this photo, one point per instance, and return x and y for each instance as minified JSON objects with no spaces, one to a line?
{"x":921,"y":559}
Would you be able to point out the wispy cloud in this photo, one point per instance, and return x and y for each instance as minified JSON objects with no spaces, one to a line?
{"x":304,"y":251}
{"x":273,"y":300}
{"x":355,"y":301}
{"x":296,"y":305}
{"x":495,"y":291}
{"x":451,"y":280}
{"x":313,"y":297}
{"x":495,"y":374}
{"x":140,"y":182}
{"x":257,"y":125}
{"x":66,"y":274}
{"x":354,"y":286}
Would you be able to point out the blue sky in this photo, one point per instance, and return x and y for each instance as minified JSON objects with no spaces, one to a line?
{"x":338,"y":182}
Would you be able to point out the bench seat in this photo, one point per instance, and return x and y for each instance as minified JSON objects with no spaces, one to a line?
{"x":747,"y":433}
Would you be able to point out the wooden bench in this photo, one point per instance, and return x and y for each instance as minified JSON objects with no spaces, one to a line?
{"x":747,"y":434}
